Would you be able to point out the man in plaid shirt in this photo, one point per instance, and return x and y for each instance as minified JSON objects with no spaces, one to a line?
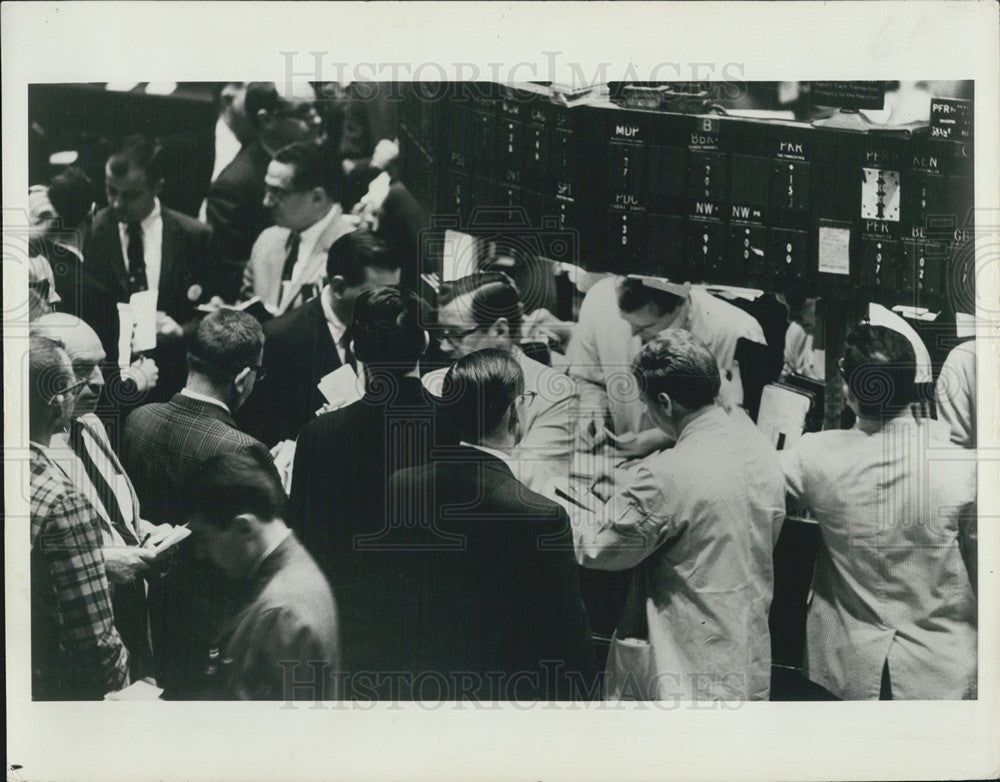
{"x":76,"y":653}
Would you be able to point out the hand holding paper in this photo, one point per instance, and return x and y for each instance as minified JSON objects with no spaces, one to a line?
{"x":341,"y":387}
{"x":167,"y":326}
{"x":143,"y":372}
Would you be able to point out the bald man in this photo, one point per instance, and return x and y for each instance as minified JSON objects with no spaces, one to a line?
{"x":94,"y":469}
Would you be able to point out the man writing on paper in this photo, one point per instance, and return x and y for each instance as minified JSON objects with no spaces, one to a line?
{"x":76,"y":652}
{"x":128,"y":541}
{"x":307,"y":344}
{"x":619,"y":315}
{"x":698,"y":522}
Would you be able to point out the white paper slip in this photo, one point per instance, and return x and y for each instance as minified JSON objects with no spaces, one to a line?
{"x":176,"y":535}
{"x":460,"y":257}
{"x":126,"y":322}
{"x":143,"y":305}
{"x":137,"y":691}
{"x":341,"y":387}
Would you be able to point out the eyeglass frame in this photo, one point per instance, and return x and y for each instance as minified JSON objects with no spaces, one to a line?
{"x":280,"y":193}
{"x":526,"y":395}
{"x":455,"y":338}
{"x":259,"y":369}
{"x":72,"y":388}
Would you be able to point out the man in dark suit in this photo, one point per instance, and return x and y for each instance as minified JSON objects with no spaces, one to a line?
{"x":306,"y":344}
{"x":285,"y":632}
{"x":492,"y":589}
{"x":72,"y":195}
{"x":234,"y":206}
{"x":337,"y":502}
{"x":164,"y":446}
{"x":136,"y":245}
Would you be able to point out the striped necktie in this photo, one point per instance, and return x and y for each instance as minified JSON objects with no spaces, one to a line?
{"x":83,"y":442}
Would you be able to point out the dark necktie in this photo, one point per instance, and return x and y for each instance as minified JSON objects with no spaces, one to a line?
{"x":348,"y":355}
{"x":136,"y":260}
{"x":291,"y":254}
{"x":78,"y":435}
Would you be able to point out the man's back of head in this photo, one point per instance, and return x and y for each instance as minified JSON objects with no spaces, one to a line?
{"x":353,"y":253}
{"x":678,"y":365}
{"x":879,"y":367}
{"x":480,"y":392}
{"x":634,"y":294}
{"x":386,"y":330}
{"x":225,"y":354}
{"x":72,"y":194}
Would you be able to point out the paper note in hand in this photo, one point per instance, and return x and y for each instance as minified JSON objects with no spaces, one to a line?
{"x":143,"y":305}
{"x":341,"y":387}
{"x":175,"y":536}
{"x":126,"y":322}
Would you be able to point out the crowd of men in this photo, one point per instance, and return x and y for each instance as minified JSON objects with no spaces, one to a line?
{"x":430,"y":536}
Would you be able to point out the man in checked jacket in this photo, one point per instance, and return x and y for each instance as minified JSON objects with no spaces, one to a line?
{"x":76,"y":652}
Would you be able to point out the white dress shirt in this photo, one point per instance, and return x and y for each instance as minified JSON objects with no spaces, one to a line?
{"x":337,"y":329}
{"x":889,"y":585}
{"x":152,"y":244}
{"x":204,"y":398}
{"x":505,"y":458}
{"x":701,"y":520}
{"x":309,"y":237}
{"x":602,"y":348}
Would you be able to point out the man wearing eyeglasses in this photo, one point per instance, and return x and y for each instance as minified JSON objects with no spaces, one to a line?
{"x":76,"y":652}
{"x":287,"y":265}
{"x":278,"y":115}
{"x":91,"y":464}
{"x":163,"y":447}
{"x":484,"y":310}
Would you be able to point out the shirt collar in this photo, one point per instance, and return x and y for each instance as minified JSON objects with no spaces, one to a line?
{"x":149,"y":220}
{"x":255,"y":569}
{"x":706,"y":420}
{"x":204,"y":398}
{"x":336,"y":327}
{"x":491,"y":451}
{"x":311,"y":234}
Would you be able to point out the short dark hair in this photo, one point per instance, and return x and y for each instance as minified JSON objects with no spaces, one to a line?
{"x":49,"y":371}
{"x":677,"y":363}
{"x":478,"y":389}
{"x":634,"y":295}
{"x":313,"y":168}
{"x":72,"y":195}
{"x":879,"y":367}
{"x":494,"y":296}
{"x":386,"y":330}
{"x":261,"y":95}
{"x":356,"y":251}
{"x":225,"y":342}
{"x":139,"y":152}
{"x":227,"y":485}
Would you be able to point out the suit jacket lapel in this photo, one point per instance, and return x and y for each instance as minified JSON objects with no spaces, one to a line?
{"x":115,"y":259}
{"x":325,"y":357}
{"x":315,"y":266}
